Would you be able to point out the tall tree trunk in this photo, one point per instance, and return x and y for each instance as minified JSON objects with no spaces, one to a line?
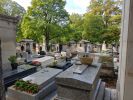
{"x":2,"y":89}
{"x":47,"y":42}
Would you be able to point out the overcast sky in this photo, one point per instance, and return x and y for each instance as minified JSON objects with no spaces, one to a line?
{"x":72,"y":6}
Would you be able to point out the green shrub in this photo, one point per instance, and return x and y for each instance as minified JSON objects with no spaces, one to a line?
{"x":26,"y":86}
{"x":12,"y":59}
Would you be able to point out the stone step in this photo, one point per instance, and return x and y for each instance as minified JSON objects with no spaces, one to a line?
{"x":114,"y":95}
{"x":100,"y":95}
{"x":51,"y":96}
{"x":96,"y":90}
{"x":107,"y":94}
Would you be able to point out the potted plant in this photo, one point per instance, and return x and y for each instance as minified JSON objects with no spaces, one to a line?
{"x":13,"y":61}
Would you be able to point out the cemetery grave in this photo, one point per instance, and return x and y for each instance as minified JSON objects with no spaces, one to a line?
{"x":44,"y":79}
{"x":60,"y":64}
{"x":78,"y":82}
{"x":22,"y":71}
{"x":107,"y":71}
{"x":44,"y":61}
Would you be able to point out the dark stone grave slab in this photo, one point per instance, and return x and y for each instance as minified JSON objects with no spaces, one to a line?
{"x":44,"y":78}
{"x":13,"y":75}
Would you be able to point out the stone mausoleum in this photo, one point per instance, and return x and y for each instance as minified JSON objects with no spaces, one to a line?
{"x":8,"y":39}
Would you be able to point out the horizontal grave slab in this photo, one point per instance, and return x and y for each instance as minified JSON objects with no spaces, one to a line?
{"x":61,"y":65}
{"x":44,"y":60}
{"x":76,"y":86}
{"x":45,"y":81}
{"x":22,"y":71}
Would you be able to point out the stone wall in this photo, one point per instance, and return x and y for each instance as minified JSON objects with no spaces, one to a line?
{"x":126,"y":53}
{"x":8,"y":39}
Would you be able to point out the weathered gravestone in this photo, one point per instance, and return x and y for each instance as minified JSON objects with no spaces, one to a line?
{"x":79,"y":82}
{"x":45,"y":79}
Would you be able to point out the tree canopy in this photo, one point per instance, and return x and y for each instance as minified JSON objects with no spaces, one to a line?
{"x":93,"y":28}
{"x":11,"y":8}
{"x":110,"y":12}
{"x":45,"y":18}
{"x":76,"y":25}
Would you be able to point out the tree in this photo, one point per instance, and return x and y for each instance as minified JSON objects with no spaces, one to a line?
{"x":2,"y":92}
{"x":71,"y":32}
{"x":96,"y":7}
{"x":43,"y":18}
{"x":93,"y":28}
{"x":63,"y":37}
{"x":11,"y":8}
{"x":76,"y":26}
{"x":111,"y":11}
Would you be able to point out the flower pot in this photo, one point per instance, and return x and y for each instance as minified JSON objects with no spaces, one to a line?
{"x":14,"y":66}
{"x":86,"y":60}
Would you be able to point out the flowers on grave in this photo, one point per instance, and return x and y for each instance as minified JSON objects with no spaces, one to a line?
{"x":36,"y":63}
{"x":86,"y":59}
{"x":26,"y":86}
{"x":53,"y":64}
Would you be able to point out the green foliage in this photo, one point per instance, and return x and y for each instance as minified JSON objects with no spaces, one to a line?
{"x":32,"y":28}
{"x":96,"y":7}
{"x":102,"y":21}
{"x":12,"y":59}
{"x":26,"y":86}
{"x":11,"y":8}
{"x":48,"y":20}
{"x":45,"y":18}
{"x":76,"y":26}
{"x":93,"y":28}
{"x":72,"y":31}
{"x":63,"y":36}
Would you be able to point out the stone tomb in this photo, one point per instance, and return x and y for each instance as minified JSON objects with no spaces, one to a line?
{"x":45,"y":60}
{"x":79,"y":82}
{"x":44,"y":78}
{"x":61,"y":65}
{"x":8,"y":39}
{"x":22,"y":71}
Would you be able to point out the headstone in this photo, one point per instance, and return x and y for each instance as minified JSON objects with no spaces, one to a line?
{"x":75,"y":86}
{"x":25,"y":55}
{"x":104,"y":46}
